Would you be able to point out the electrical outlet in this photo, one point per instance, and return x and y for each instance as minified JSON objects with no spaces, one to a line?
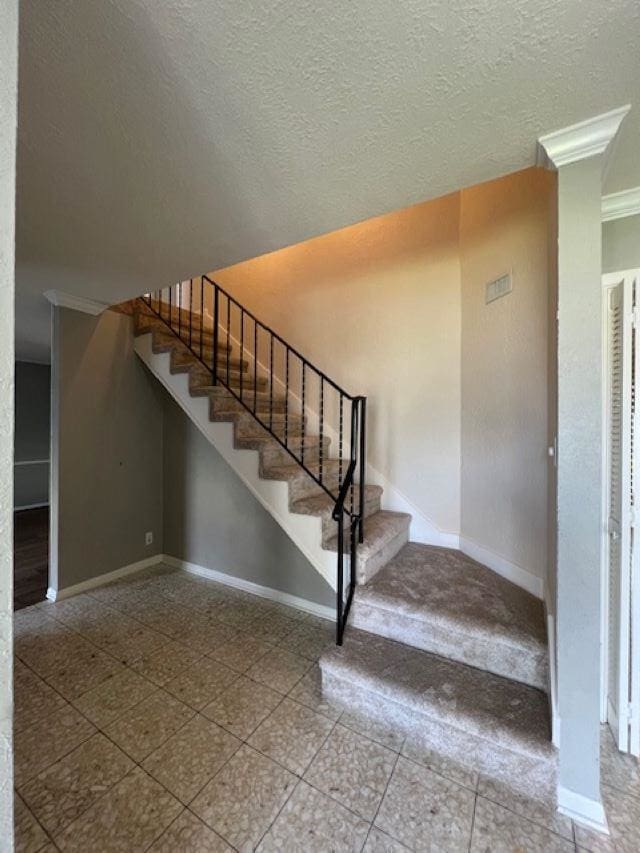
{"x":148,"y":538}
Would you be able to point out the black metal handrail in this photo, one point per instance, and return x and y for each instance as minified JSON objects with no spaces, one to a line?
{"x":198,"y":311}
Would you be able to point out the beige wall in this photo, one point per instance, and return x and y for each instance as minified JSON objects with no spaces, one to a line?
{"x":8,"y":99}
{"x":106,"y":454}
{"x":377,"y":307}
{"x":504,"y":227}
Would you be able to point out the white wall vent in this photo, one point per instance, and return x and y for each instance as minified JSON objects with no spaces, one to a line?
{"x":500,"y":287}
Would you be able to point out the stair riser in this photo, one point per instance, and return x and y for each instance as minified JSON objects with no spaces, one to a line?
{"x":486,"y":654}
{"x":522,"y":772}
{"x":275,"y":454}
{"x":368,"y":566}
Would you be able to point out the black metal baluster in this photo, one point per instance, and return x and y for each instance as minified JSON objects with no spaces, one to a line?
{"x":201,"y":313}
{"x":255,"y":366}
{"x":363,"y":415}
{"x":190,"y":311}
{"x":340,"y":579}
{"x":304,"y":366}
{"x":286,"y":402}
{"x":215,"y":334}
{"x":228,"y":334}
{"x":321,"y":425}
{"x":271,"y":381}
{"x":340,"y":447}
{"x":352,"y":449}
{"x":179,"y":289}
{"x":241,"y":349}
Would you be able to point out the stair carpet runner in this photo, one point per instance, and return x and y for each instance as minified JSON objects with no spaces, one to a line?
{"x":438,"y":646}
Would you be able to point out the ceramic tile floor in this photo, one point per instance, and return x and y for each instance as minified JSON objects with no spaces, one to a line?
{"x":168,"y":713}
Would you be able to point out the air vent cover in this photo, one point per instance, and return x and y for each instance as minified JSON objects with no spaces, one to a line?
{"x":500,"y":287}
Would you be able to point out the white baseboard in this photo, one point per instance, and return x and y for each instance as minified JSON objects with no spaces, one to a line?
{"x":101,"y":580}
{"x":582,"y":809}
{"x":30,"y":506}
{"x":501,"y":566}
{"x":255,"y":589}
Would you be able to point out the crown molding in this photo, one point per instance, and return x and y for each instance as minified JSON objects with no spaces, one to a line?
{"x":580,"y":141}
{"x":619,"y":205}
{"x":75,"y":303}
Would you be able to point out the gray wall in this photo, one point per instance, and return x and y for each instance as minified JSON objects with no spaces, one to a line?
{"x":8,"y":101}
{"x":211,"y":518}
{"x":621,"y":244}
{"x":32,"y":398}
{"x":106,"y":448}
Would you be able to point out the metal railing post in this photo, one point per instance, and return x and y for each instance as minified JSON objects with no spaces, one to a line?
{"x":215,"y":333}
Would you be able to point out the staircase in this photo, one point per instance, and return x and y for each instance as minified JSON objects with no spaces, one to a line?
{"x":438,"y":646}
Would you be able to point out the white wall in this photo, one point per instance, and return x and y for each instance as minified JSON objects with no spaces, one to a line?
{"x":377,"y":307}
{"x":504,"y":228}
{"x":8,"y":98}
{"x":621,"y":244}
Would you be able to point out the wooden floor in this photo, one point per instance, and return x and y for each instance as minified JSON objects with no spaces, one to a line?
{"x":31,"y":556}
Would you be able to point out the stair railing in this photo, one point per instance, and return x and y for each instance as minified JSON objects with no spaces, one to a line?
{"x":282,"y":390}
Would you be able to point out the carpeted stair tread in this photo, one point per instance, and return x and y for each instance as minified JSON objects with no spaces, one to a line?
{"x":379,"y":529}
{"x":424,"y":686}
{"x":440,"y":600}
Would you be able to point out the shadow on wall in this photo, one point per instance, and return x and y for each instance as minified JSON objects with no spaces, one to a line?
{"x":212,"y":520}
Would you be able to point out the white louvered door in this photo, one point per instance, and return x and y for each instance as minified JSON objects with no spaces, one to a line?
{"x":619,"y":553}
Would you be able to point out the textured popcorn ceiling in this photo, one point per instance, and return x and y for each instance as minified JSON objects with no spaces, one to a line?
{"x":160,"y":139}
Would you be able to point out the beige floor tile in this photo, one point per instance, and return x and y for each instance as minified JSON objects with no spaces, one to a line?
{"x":590,"y":841}
{"x":546,"y":814}
{"x":186,"y":762}
{"x":422,"y":753}
{"x":129,"y":817}
{"x":203,"y":634}
{"x":135,"y":642}
{"x":188,"y":834}
{"x":33,"y":699}
{"x":271,"y":626}
{"x":308,"y":640}
{"x":313,"y":823}
{"x":238,"y":614}
{"x":243,"y":799}
{"x":29,"y":836}
{"x":115,"y":695}
{"x":51,"y":648}
{"x":424,"y":811}
{"x":60,"y":794}
{"x":242,"y":706}
{"x":200,"y":683}
{"x":369,"y":726}
{"x":83,"y":671}
{"x":279,"y":669}
{"x":292,"y":735}
{"x":166,"y":663}
{"x":149,"y":724}
{"x":379,"y":842}
{"x":242,"y":652}
{"x":502,"y":831}
{"x":619,"y":770}
{"x":308,"y":691}
{"x":352,"y":770}
{"x":48,"y":740}
{"x":623,"y":815}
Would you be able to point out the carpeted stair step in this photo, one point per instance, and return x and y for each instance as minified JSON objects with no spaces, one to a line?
{"x":442,"y":601}
{"x":322,"y":505}
{"x":421,"y":692}
{"x":301,"y":484}
{"x":384,"y":535}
